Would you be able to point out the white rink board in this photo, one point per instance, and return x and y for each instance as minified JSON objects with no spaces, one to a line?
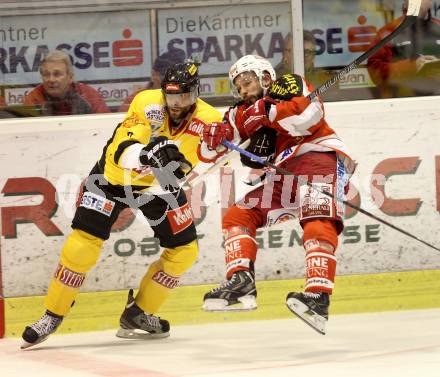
{"x":52,"y":149}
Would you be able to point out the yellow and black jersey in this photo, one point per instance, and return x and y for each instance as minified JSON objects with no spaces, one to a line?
{"x":147,"y":118}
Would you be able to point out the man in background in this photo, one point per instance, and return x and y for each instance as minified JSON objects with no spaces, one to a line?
{"x":410,"y":64}
{"x":160,"y":66}
{"x":286,"y":63}
{"x":59,"y":94}
{"x":313,"y":75}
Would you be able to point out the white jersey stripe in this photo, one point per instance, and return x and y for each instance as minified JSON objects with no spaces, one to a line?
{"x":298,"y":125}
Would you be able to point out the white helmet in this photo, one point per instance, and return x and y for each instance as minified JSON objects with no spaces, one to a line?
{"x":251,"y":63}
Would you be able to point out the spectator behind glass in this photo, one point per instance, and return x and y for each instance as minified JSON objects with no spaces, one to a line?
{"x":410,"y":64}
{"x":160,"y":66}
{"x":313,"y":75}
{"x":3,"y":113}
{"x":59,"y":94}
{"x":285,"y":65}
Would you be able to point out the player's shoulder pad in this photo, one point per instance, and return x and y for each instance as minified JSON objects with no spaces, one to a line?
{"x":149,"y":96}
{"x":206,"y":112}
{"x":285,"y":87}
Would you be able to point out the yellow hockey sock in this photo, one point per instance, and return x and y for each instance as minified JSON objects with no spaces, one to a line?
{"x":163,"y":275}
{"x":79,"y":254}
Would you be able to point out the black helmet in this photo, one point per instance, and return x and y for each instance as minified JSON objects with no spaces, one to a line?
{"x":181,"y":78}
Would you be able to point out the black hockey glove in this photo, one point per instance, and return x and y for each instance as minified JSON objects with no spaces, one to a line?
{"x":262,"y":145}
{"x":166,"y":162}
{"x":286,"y":87}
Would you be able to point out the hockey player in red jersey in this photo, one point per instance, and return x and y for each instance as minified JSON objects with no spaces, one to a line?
{"x":286,"y":128}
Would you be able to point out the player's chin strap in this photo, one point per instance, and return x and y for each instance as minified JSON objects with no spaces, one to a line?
{"x":348,"y":204}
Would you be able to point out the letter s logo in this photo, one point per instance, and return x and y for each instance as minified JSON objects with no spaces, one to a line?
{"x":127,"y":52}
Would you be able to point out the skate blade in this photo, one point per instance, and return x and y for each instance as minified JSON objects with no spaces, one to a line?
{"x":139,"y":334}
{"x":26,"y":345}
{"x":302,"y":311}
{"x":245,"y":303}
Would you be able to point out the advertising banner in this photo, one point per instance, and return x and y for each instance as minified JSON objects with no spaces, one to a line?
{"x":343,"y":29}
{"x":218,"y":36}
{"x":114,"y":48}
{"x":106,"y":46}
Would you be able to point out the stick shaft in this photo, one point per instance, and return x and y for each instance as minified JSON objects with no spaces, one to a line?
{"x":355,"y":207}
{"x":408,"y":21}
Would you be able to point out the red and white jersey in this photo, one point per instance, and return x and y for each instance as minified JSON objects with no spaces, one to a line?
{"x":301,"y":127}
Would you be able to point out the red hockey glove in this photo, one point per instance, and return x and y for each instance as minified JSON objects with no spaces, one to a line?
{"x":215,"y":133}
{"x":256,"y":116}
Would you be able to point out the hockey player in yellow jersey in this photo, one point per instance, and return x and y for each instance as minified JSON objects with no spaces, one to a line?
{"x":142,"y":166}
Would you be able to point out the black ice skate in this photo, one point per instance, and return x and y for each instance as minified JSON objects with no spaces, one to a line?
{"x":238,"y":293}
{"x":311,"y":307}
{"x":136,"y":324}
{"x":40,"y":330}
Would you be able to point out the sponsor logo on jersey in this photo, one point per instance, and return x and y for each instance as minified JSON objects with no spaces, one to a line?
{"x":286,"y":153}
{"x":341,"y":181}
{"x":192,"y":70}
{"x":180,"y":218}
{"x":131,"y":121}
{"x":317,"y":266}
{"x":278,"y":216}
{"x":155,"y":114}
{"x":286,"y":86}
{"x":319,"y":283}
{"x":68,"y":277}
{"x":97,"y":203}
{"x":233,"y":250}
{"x":172,"y":87}
{"x":314,"y":203}
{"x":320,"y":269}
{"x":166,"y":280}
{"x":195,"y":128}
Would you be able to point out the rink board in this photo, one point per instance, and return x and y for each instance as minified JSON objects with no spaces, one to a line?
{"x":45,"y":159}
{"x":353,"y":294}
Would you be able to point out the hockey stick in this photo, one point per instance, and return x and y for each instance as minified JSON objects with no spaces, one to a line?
{"x":411,"y":17}
{"x":361,"y":210}
{"x":217,"y":165}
